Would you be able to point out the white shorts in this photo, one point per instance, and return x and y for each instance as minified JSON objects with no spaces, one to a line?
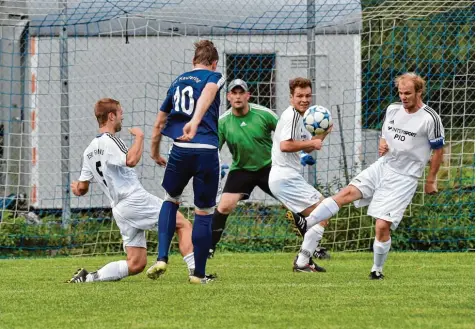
{"x":135,"y":214}
{"x":386,"y":192}
{"x":289,"y":187}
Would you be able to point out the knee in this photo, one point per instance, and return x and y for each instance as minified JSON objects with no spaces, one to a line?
{"x":204,"y":211}
{"x":382,"y":230}
{"x":136,"y":265}
{"x":347,"y":195}
{"x":183,"y":223}
{"x":226,"y":208}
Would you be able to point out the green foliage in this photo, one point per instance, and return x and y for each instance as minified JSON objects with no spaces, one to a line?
{"x":435,"y":223}
{"x":440,"y":47}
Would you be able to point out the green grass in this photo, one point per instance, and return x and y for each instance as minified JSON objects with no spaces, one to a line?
{"x":421,"y":290}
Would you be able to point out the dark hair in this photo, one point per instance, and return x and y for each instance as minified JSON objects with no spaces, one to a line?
{"x":299,"y":83}
{"x":103,"y":107}
{"x":205,"y":53}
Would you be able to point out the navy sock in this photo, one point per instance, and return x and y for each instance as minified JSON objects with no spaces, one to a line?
{"x":167,"y":224}
{"x":202,"y":240}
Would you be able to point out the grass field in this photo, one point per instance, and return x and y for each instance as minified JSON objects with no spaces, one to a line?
{"x":421,"y":290}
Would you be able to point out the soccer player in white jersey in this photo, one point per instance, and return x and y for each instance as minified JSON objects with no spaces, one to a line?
{"x":285,"y":179}
{"x":110,"y":163}
{"x":410,"y":133}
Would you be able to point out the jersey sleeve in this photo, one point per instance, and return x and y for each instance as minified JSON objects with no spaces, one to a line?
{"x":272,"y":120}
{"x":221,"y":133}
{"x":86,"y":173}
{"x":216,"y":78}
{"x":289,"y":129}
{"x":168,"y":103}
{"x":116,"y":152}
{"x":436,"y":132}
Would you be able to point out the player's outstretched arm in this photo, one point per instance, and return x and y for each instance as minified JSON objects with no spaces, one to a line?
{"x":135,"y":152}
{"x":204,"y":101}
{"x":79,"y":188}
{"x":435,"y":162}
{"x":307,"y":146}
{"x":156,"y":138}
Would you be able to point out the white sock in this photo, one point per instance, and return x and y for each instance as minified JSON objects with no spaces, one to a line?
{"x":311,"y":240}
{"x":325,"y":210}
{"x":190,"y":260}
{"x":381,"y":250}
{"x":110,"y":272}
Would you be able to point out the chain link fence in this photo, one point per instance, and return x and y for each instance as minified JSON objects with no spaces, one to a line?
{"x":58,"y":58}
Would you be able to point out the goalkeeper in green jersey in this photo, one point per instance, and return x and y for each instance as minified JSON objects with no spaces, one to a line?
{"x":246,"y":129}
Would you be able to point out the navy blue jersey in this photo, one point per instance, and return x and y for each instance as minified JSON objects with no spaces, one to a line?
{"x":180,"y":103}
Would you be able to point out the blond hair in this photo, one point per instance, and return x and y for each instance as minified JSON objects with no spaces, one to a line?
{"x":417,"y":80}
{"x":103,"y":107}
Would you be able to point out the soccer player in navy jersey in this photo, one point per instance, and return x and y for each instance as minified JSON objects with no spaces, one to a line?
{"x":189,"y":116}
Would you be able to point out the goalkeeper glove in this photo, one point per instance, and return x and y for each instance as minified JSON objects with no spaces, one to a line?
{"x":224,"y":168}
{"x":307,"y":159}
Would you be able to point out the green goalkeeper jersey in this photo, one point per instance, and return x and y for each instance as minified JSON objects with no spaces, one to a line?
{"x":248,"y":137}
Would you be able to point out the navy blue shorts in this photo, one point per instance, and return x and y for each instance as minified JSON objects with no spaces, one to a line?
{"x":201,"y":164}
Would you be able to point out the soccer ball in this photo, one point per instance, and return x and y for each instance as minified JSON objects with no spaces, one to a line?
{"x":317,"y":119}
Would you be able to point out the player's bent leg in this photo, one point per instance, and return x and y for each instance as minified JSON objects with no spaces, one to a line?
{"x":329,"y":207}
{"x":227,"y":204}
{"x":184,"y":234}
{"x":136,"y":259}
{"x":113,"y":271}
{"x":348,"y":194}
{"x":135,"y":246}
{"x":381,"y":248}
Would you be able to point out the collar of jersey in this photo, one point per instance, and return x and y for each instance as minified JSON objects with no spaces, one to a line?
{"x":242,"y":116}
{"x":99,"y":135}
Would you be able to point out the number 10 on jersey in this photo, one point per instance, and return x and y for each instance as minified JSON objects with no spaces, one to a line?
{"x":180,"y":100}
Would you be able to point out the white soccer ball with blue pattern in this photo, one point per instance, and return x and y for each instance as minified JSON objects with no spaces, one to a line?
{"x":317,"y":119}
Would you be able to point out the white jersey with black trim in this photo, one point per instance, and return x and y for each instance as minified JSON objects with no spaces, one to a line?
{"x":411,"y":137}
{"x":104,"y":160}
{"x":290,"y":126}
